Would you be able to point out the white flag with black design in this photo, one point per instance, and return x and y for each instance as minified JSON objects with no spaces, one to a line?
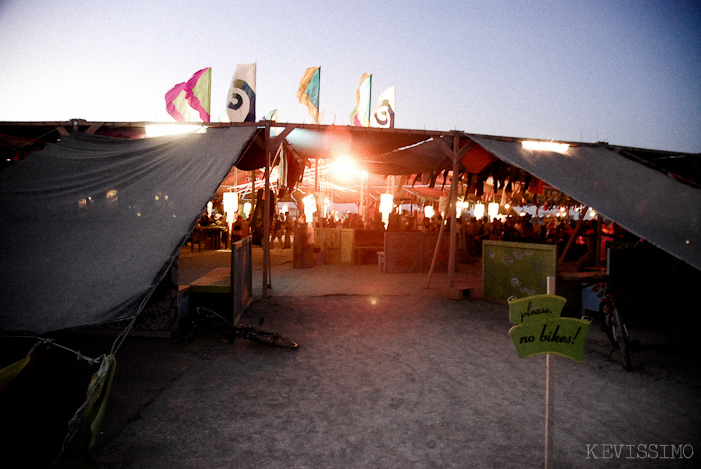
{"x":384,"y":113}
{"x":241,"y":102}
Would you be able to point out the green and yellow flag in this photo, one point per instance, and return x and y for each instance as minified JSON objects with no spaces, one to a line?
{"x":308,"y":92}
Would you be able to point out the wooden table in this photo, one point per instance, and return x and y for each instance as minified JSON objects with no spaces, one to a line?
{"x":213,"y":233}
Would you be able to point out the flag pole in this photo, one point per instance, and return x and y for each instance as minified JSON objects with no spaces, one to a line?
{"x":209,"y":95}
{"x":549,"y":398}
{"x":370,"y":102}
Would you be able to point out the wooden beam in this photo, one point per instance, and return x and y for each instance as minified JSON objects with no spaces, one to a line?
{"x":445,"y":147}
{"x":277,"y":140}
{"x":460,"y":153}
{"x":94,"y":127}
{"x":573,"y":236}
{"x":455,"y":152}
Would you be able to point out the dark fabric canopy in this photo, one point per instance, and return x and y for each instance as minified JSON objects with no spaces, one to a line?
{"x":89,"y":225}
{"x":358,"y":142}
{"x":645,"y":201}
{"x":373,"y":148}
{"x":425,"y":157}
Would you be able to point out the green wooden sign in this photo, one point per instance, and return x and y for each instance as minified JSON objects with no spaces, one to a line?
{"x":516,"y":269}
{"x":535,"y":307}
{"x":540,"y":329}
{"x":560,"y":336}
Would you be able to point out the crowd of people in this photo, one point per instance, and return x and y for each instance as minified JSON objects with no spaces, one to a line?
{"x":471,"y":231}
{"x":523,"y":229}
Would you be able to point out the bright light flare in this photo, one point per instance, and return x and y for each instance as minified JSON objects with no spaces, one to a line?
{"x":386,"y":206}
{"x":545,"y":146}
{"x":344,"y":167}
{"x":386,"y":203}
{"x":309,"y":207}
{"x":231,"y":205}
{"x":159,"y":130}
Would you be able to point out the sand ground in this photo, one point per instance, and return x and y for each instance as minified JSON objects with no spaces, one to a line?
{"x":391,"y":374}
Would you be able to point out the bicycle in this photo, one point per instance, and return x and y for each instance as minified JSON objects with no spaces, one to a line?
{"x":613,"y":324}
{"x":213,"y":320}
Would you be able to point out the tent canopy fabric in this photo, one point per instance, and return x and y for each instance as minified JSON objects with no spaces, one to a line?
{"x":424,"y":157}
{"x":365,"y":144}
{"x":644,"y":201}
{"x":90,"y":224}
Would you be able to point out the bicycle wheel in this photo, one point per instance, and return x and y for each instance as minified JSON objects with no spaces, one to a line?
{"x":607,"y":324}
{"x":623,"y":342}
{"x":271,"y":339}
{"x":213,"y":319}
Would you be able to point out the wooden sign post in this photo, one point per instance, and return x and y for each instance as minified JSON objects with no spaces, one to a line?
{"x":539,"y":329}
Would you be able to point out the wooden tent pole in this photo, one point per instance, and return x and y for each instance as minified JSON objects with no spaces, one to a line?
{"x":452,"y":210}
{"x":455,"y":154}
{"x":597,"y":247}
{"x":573,"y":236}
{"x":266,"y":211}
{"x":435,"y":253}
{"x":253,"y":187}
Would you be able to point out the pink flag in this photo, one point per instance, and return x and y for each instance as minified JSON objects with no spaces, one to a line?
{"x":190,"y":101}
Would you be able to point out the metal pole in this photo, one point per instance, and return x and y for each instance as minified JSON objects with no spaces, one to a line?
{"x":362,"y":198}
{"x":316,"y":176}
{"x":549,"y":391}
{"x":452,"y":211}
{"x":253,"y":187}
{"x":266,"y":213}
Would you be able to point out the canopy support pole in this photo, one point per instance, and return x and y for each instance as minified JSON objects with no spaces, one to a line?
{"x":361,"y":207}
{"x":266,"y":211}
{"x":253,"y":188}
{"x":455,"y":154}
{"x":452,"y":210}
{"x":271,"y":145}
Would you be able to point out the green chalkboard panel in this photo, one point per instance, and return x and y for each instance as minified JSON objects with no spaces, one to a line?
{"x":516,"y":269}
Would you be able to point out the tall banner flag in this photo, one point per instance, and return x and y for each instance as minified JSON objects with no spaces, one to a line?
{"x":308,"y":93}
{"x":360,"y":116}
{"x":191,"y":101}
{"x":241,"y":103}
{"x":384,"y":113}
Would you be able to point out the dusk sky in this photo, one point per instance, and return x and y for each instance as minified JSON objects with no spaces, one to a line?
{"x":626,"y":72}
